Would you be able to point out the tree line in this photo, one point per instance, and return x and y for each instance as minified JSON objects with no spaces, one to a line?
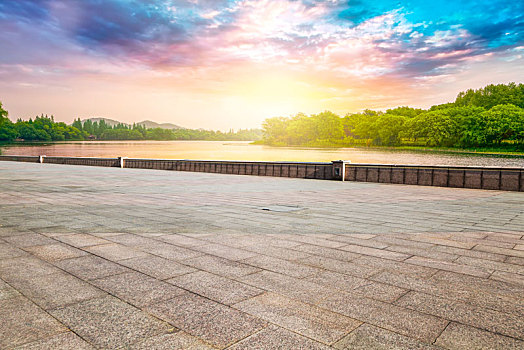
{"x":44,"y":128}
{"x":492,"y":116}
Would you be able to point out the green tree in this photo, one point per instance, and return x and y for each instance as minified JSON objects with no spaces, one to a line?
{"x":492,"y":95}
{"x":328,"y":126}
{"x":387,"y":129}
{"x":8,"y":131}
{"x":504,"y":122}
{"x":274,"y":130}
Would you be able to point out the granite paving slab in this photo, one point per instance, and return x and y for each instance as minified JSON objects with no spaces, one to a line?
{"x":90,"y":267}
{"x":221,"y":289}
{"x":24,"y":322}
{"x":157,"y":267}
{"x":310,"y":321}
{"x":94,"y":257}
{"x":137,"y":289}
{"x":273,"y":337}
{"x":215,"y":323}
{"x":110,"y":323}
{"x":459,"y":336}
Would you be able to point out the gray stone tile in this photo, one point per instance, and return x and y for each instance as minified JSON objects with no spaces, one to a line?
{"x":381,"y":291}
{"x":291,"y":287}
{"x":55,"y":252}
{"x":338,"y":280}
{"x":494,"y":321}
{"x":501,"y":251}
{"x":370,"y":337}
{"x":379,"y":253}
{"x":110,"y":323}
{"x":407,"y":322}
{"x":221,"y":289}
{"x":54,"y":290}
{"x":282,"y":266}
{"x":115,"y":252}
{"x":225,"y":251}
{"x":515,"y":260}
{"x":423,"y":252}
{"x":131,"y":240}
{"x":491,"y":265}
{"x":449,"y":266}
{"x":6,"y":291}
{"x":170,"y":251}
{"x":350,"y":268}
{"x":214,"y":323}
{"x":138,"y":289}
{"x":458,"y":336}
{"x":313,"y":239}
{"x":157,"y":267}
{"x":278,"y":252}
{"x":80,"y":240}
{"x":469,"y":253}
{"x":29,"y":240}
{"x":372,"y":243}
{"x":378,"y":264}
{"x":23,"y":322}
{"x":90,"y":267}
{"x":62,"y":341}
{"x":8,"y":251}
{"x":310,"y":321}
{"x":182,"y":240}
{"x":273,"y":337}
{"x":469,"y":289}
{"x":220,"y":266}
{"x":508,"y":277}
{"x":13,"y":269}
{"x":339,"y":255}
{"x":173,"y":341}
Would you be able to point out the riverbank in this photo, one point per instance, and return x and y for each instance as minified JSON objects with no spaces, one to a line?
{"x":245,"y":151}
{"x":485,"y":151}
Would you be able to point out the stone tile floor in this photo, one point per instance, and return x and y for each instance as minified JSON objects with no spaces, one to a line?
{"x":144,"y":259}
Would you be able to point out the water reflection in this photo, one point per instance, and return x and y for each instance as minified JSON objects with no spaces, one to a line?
{"x":237,"y":150}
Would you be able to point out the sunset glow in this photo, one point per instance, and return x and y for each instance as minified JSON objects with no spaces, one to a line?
{"x":231,"y":64}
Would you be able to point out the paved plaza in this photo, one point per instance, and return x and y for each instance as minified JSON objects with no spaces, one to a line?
{"x":94,"y":257}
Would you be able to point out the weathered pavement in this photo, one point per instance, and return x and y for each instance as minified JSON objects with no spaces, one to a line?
{"x":144,"y":259}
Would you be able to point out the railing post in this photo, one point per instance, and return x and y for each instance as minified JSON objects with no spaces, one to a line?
{"x":122,"y":162}
{"x":339,"y":169}
{"x":41,"y":159}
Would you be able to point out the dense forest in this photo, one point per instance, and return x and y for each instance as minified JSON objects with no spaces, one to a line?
{"x":490,"y":117}
{"x":44,"y":128}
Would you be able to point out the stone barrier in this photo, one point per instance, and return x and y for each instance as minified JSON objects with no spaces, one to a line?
{"x":488,"y":178}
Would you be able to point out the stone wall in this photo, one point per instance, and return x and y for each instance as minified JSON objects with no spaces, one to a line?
{"x":282,"y":169}
{"x":506,"y":179}
{"x":107,"y":162}
{"x":30,"y":159}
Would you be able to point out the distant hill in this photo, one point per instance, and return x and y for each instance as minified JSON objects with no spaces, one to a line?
{"x":151,"y":125}
{"x":146,"y":123}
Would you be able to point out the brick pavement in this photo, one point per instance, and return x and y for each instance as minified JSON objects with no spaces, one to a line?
{"x":145,"y":259}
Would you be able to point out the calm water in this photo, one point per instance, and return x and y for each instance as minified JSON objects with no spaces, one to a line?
{"x":233,"y":150}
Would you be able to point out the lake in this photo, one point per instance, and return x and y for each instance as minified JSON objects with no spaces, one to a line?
{"x":240,"y":150}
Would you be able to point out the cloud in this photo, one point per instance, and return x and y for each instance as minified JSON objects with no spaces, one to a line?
{"x":199,"y":39}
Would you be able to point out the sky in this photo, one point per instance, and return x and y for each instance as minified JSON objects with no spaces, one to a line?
{"x":220,"y":64}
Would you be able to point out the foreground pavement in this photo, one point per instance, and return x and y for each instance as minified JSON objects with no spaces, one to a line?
{"x":144,"y":259}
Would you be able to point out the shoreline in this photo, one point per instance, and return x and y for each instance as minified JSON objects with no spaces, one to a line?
{"x":487,"y":152}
